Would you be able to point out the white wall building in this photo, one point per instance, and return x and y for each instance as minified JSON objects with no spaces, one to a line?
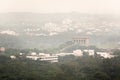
{"x":90,"y":52}
{"x":50,"y":59}
{"x":105,"y":54}
{"x":21,"y":54}
{"x":64,"y":54}
{"x":77,"y":53}
{"x":33,"y":53}
{"x":33,"y":57}
{"x":13,"y":57}
{"x":43,"y":57}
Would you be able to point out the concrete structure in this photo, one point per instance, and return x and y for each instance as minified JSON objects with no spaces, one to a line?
{"x":13,"y":57}
{"x":43,"y":57}
{"x":105,"y":55}
{"x":33,"y":57}
{"x":77,"y":53}
{"x":90,"y":52}
{"x":48,"y":57}
{"x":33,"y":53}
{"x":51,"y":59}
{"x":21,"y":54}
{"x":64,"y":54}
{"x":83,"y":41}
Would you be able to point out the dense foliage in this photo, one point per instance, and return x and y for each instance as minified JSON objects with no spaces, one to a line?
{"x":68,"y":68}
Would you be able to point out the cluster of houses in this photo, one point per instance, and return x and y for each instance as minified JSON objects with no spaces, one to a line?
{"x":54,"y":57}
{"x":43,"y":57}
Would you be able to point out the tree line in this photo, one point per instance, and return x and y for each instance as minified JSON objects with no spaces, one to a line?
{"x":68,"y":68}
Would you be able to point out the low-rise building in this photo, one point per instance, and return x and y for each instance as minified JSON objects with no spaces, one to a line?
{"x":77,"y":53}
{"x":64,"y":54}
{"x":33,"y":57}
{"x":33,"y":53}
{"x":43,"y":57}
{"x":90,"y":52}
{"x":13,"y":57}
{"x":51,"y":59}
{"x":105,"y":55}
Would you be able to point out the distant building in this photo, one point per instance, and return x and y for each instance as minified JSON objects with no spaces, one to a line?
{"x":43,"y":57}
{"x":51,"y":59}
{"x":90,"y":52}
{"x":83,"y":41}
{"x":21,"y":54}
{"x":105,"y":54}
{"x":13,"y":57}
{"x":77,"y":53}
{"x":33,"y":53}
{"x":64,"y":54}
{"x":33,"y":57}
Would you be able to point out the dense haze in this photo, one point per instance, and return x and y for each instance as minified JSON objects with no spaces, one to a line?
{"x":35,"y":30}
{"x":55,"y":6}
{"x":59,"y":39}
{"x":50,"y":23}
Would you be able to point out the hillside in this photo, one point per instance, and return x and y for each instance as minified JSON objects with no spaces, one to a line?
{"x":34,"y":30}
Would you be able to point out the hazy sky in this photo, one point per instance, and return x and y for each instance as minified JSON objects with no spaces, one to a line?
{"x":48,"y":6}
